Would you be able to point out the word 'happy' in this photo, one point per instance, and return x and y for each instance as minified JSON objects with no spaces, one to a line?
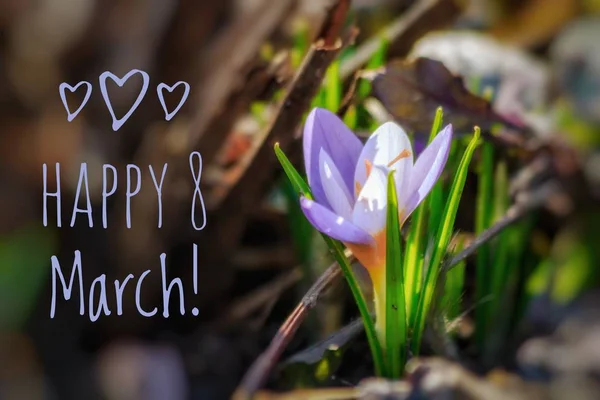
{"x":109,"y":188}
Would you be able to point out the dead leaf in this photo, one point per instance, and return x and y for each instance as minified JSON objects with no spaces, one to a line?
{"x":412,"y":90}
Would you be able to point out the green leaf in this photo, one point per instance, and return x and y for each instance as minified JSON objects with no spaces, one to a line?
{"x":572,"y":266}
{"x":301,"y":36}
{"x":300,"y":228}
{"x":313,"y":365}
{"x":436,"y":207}
{"x":395,"y":318}
{"x":436,"y":198}
{"x":333,"y":86}
{"x":376,"y":61}
{"x":376,"y":350}
{"x":454,"y":285}
{"x":505,"y":312}
{"x":415,"y":244}
{"x":351,"y":117}
{"x":444,"y":233}
{"x":501,"y":243}
{"x":300,"y":186}
{"x":337,"y":250}
{"x":483,"y":217}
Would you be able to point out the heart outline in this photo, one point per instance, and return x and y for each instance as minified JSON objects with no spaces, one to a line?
{"x":186,"y":93}
{"x":72,"y":89}
{"x":117,"y":123}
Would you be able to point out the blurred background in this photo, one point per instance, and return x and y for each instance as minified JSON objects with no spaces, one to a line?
{"x":256,"y":256}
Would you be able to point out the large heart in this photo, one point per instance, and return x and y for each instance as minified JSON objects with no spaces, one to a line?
{"x":72,"y":89}
{"x":159,"y":91}
{"x":117,"y":123}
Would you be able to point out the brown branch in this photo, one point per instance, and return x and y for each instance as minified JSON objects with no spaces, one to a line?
{"x":315,"y":353}
{"x":256,"y":169}
{"x":350,"y":95}
{"x":530,"y":202}
{"x":334,"y":22}
{"x":424,"y":16}
{"x":299,"y":94}
{"x":259,"y":371}
{"x":230,"y":63}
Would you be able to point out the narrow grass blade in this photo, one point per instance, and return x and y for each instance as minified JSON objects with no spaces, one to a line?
{"x":337,"y":250}
{"x":351,"y":117}
{"x":320,"y":99}
{"x":436,"y":197}
{"x":415,"y":244}
{"x":454,"y":285}
{"x":501,"y":248}
{"x":498,"y":274}
{"x":301,"y":43}
{"x":395,"y":308}
{"x":376,"y":350}
{"x":299,"y":184}
{"x":376,"y":61}
{"x":443,"y":235}
{"x":300,"y":228}
{"x":435,"y":207}
{"x":333,"y":86}
{"x":483,"y":219}
{"x":505,"y":315}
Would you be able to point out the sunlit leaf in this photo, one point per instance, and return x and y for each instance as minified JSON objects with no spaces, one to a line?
{"x":444,"y":233}
{"x":333,"y":86}
{"x":483,"y":217}
{"x":298,"y":183}
{"x":316,"y":363}
{"x":395,"y":308}
{"x":376,"y":61}
{"x":415,"y":244}
{"x":454,"y":285}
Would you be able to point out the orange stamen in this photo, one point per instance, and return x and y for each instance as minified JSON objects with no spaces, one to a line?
{"x":403,"y":154}
{"x":369,"y":167}
{"x":357,"y":188}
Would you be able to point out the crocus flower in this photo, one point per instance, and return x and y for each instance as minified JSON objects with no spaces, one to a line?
{"x":349,"y":185}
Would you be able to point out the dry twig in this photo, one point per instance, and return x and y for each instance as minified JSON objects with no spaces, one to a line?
{"x":259,"y":371}
{"x":258,"y":165}
{"x":529,"y":203}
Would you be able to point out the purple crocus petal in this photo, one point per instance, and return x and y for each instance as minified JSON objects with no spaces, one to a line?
{"x":427,"y":169}
{"x":333,"y":225}
{"x":325,"y":130}
{"x":335,"y":189}
{"x":388,"y":147}
{"x":419,"y":144}
{"x":370,"y":209}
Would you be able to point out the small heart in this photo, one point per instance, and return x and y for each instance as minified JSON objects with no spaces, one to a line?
{"x":186,"y":93}
{"x":63,"y":97}
{"x":117,"y":123}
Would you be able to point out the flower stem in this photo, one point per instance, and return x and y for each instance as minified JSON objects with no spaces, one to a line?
{"x":374,"y":343}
